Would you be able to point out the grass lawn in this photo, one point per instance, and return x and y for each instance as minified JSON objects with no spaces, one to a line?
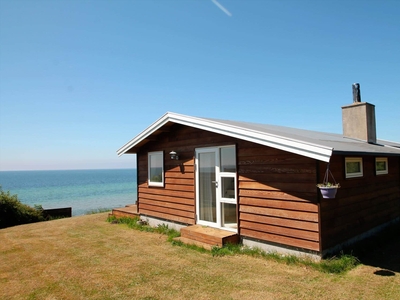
{"x":88,"y":258}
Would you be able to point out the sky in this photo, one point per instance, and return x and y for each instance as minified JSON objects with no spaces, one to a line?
{"x":80,"y":78}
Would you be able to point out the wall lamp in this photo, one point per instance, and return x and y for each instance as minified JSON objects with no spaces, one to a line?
{"x":174,"y":155}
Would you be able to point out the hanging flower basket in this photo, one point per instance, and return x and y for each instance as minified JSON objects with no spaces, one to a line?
{"x":328,"y":192}
{"x":328,"y":189}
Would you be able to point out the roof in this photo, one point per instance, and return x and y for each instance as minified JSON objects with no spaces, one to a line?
{"x":313,"y":144}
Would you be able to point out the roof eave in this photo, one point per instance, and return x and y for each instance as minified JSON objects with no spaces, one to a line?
{"x":145,"y":133}
{"x":318,"y":152}
{"x":367,"y":153}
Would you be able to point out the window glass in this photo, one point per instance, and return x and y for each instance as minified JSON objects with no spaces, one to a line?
{"x":354,"y":167}
{"x":207,"y":191}
{"x":156,"y":168}
{"x":229,"y":215}
{"x":381,"y":165}
{"x":228,"y":187}
{"x":228,"y":159}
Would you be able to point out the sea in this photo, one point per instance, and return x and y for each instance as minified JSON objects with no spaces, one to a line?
{"x":83,"y":190}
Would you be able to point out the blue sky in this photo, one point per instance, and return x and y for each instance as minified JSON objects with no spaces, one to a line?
{"x":80,"y":78}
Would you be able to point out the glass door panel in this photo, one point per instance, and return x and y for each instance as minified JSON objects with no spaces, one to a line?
{"x":228,"y":189}
{"x":207,"y":190}
{"x":229,"y":215}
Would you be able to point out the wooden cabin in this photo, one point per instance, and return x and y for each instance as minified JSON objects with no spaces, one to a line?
{"x":259,"y":182}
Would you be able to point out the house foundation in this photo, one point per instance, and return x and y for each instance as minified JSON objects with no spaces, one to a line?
{"x":154,"y":222}
{"x":270,"y":248}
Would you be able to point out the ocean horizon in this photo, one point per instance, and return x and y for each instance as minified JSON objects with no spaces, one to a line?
{"x":83,"y":190}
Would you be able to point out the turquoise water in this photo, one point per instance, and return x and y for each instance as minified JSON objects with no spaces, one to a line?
{"x":83,"y":190}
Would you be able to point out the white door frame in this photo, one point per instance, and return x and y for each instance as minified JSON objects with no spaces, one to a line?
{"x":218,"y":186}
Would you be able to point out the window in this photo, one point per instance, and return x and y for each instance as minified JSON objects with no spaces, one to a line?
{"x":156,"y":169}
{"x":228,"y":159}
{"x":381,"y":165}
{"x":354,"y":167}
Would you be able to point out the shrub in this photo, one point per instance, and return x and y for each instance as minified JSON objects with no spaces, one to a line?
{"x":13,"y":212}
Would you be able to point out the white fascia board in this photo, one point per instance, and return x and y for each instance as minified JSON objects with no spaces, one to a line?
{"x":144,"y":134}
{"x":318,"y":152}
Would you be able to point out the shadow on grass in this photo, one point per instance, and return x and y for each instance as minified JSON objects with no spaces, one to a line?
{"x":381,"y":251}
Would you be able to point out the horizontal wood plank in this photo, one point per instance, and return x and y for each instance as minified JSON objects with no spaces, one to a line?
{"x":161,"y":215}
{"x":269,"y":157}
{"x":180,"y":180}
{"x":278,"y":195}
{"x":283,"y":240}
{"x":274,"y":177}
{"x":167,"y":199}
{"x":165,"y":192}
{"x":282,"y":213}
{"x":171,"y":205}
{"x":288,"y":205}
{"x":167,"y":211}
{"x":279,"y":186}
{"x":282,"y":222}
{"x":179,"y":187}
{"x":290,"y":232}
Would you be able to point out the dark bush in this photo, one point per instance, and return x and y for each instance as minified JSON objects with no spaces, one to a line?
{"x":13,"y":212}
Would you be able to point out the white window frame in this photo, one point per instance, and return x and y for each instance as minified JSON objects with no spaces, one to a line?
{"x":354,"y":160}
{"x":381,"y":159}
{"x":155,"y":183}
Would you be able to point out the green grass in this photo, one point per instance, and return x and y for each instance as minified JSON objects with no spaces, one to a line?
{"x":338,"y":265}
{"x":334,"y":265}
{"x":136,"y":223}
{"x":85,"y":257}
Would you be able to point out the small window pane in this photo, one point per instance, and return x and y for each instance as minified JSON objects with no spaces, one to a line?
{"x":354,"y":167}
{"x":229,"y":215}
{"x":228,"y":187}
{"x":156,"y":168}
{"x":381,"y":165}
{"x":228,"y":159}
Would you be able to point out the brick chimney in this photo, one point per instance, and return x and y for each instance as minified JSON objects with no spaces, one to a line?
{"x":359,"y":118}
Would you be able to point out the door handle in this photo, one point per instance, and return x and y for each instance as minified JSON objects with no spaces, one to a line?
{"x":216,"y":183}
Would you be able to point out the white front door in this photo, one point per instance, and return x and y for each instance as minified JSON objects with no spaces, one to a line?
{"x":216,"y":197}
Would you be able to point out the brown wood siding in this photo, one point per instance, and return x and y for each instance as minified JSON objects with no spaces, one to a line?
{"x":176,"y":200}
{"x":276,"y":189}
{"x":361,"y":203}
{"x":278,"y":197}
